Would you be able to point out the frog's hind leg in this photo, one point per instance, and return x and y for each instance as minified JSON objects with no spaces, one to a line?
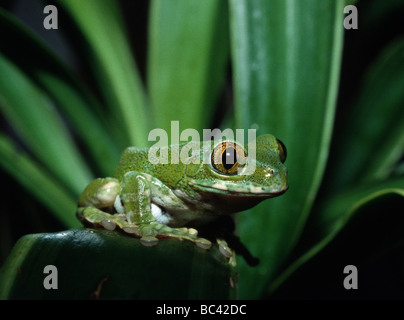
{"x":153,"y":231}
{"x":95,"y":217}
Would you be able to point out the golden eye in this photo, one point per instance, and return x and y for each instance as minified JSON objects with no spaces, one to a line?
{"x":228,"y":157}
{"x":282,"y":150}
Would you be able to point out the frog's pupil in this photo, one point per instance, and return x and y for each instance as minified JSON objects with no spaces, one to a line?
{"x":229,"y":158}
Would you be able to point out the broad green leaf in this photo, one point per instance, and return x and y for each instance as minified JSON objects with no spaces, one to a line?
{"x":39,"y":182}
{"x":372,"y":140}
{"x":286,"y":57}
{"x":101,"y":264}
{"x":331,"y":216}
{"x":41,"y":128}
{"x":188,"y":51}
{"x":102,"y":25}
{"x":51,"y":73}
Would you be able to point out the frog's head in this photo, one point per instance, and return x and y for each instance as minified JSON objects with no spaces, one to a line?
{"x":243,"y":176}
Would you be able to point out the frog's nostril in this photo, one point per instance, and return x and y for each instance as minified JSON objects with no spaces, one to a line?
{"x":268,"y":173}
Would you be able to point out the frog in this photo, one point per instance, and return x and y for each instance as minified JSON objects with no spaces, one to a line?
{"x":152,"y":199}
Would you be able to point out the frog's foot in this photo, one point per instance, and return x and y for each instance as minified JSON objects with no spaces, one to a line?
{"x":152,"y":231}
{"x":98,"y":218}
{"x":227,"y":252}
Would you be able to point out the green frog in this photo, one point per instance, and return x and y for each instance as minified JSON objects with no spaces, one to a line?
{"x":153,"y":200}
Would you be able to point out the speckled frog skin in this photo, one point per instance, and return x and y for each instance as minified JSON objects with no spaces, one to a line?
{"x":152,"y":200}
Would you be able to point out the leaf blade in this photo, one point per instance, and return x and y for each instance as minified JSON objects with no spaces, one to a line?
{"x":270,"y":41}
{"x":49,"y":72}
{"x":41,"y":127}
{"x":37,"y":181}
{"x":109,"y":268}
{"x":101,"y":24}
{"x":377,"y":118}
{"x":188,"y":51}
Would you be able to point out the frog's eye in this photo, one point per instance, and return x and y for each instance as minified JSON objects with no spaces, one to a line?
{"x":228,"y":157}
{"x":282,"y":150}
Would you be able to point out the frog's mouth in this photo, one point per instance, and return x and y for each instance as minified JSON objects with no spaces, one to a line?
{"x":252,"y":191}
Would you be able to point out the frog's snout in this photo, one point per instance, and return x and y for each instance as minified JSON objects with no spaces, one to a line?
{"x":284,"y":189}
{"x":282,"y":180}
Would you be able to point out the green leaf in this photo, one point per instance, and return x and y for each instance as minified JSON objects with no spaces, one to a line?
{"x":286,"y":57}
{"x":36,"y":180}
{"x":103,"y":264}
{"x":331,"y":216}
{"x":76,"y":103}
{"x":101,"y":24}
{"x":98,"y":141}
{"x":188,"y":51}
{"x":40,"y":126}
{"x":372,"y":140}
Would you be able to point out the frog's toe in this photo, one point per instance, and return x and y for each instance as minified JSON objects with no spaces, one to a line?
{"x":108,"y":224}
{"x":193,"y":231}
{"x":149,"y":241}
{"x":151,"y":233}
{"x":149,"y":236}
{"x":189,"y":234}
{"x":226,"y":251}
{"x":200,"y":242}
{"x":224,"y":248}
{"x":203,"y":243}
{"x":95,"y":217}
{"x":132,"y":229}
{"x":91,"y":216}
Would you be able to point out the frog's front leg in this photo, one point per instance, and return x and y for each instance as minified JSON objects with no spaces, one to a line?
{"x":135,"y":199}
{"x":135,"y":196}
